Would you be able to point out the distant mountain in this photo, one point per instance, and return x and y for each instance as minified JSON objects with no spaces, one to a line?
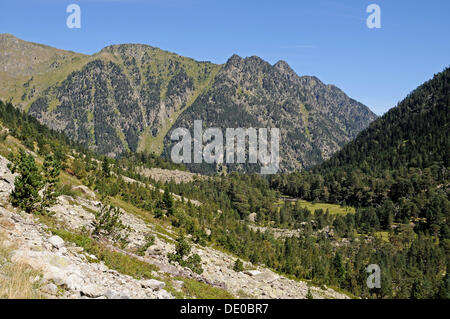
{"x":129,"y":97}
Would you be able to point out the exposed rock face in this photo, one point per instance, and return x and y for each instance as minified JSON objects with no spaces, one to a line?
{"x":165,"y":175}
{"x":6,"y":180}
{"x":315,"y":120}
{"x":66,"y":272}
{"x":129,"y":97}
{"x":56,"y":242}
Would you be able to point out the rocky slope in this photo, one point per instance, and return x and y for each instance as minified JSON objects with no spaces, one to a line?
{"x":129,"y":97}
{"x":314,"y":119}
{"x":68,"y":271}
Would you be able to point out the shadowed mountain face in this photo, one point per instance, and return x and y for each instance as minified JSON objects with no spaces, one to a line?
{"x":129,"y":98}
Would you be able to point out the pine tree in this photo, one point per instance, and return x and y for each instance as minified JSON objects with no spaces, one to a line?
{"x":339,"y":268}
{"x":168,"y":201}
{"x":105,"y":167}
{"x":50,"y":177}
{"x":27,"y":184}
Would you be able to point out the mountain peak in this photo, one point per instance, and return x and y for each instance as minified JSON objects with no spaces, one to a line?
{"x":126,"y":48}
{"x":284,"y":67}
{"x":7,"y":38}
{"x":234,"y":60}
{"x":7,"y":35}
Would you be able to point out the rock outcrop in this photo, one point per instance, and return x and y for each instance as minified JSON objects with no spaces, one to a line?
{"x":6,"y":180}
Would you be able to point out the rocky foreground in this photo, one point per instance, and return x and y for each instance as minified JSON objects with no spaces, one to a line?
{"x":67,"y":271}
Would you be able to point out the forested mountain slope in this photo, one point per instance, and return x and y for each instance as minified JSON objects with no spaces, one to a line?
{"x":403,"y":153}
{"x":413,"y":134}
{"x":400,"y":223}
{"x":397,"y":174}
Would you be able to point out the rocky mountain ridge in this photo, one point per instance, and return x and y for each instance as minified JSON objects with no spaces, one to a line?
{"x":128,"y":98}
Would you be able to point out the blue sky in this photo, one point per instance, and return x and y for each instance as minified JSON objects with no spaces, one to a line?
{"x":325,"y":38}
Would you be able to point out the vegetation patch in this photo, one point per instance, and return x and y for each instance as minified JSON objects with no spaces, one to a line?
{"x":200,"y":290}
{"x":16,"y":279}
{"x":120,"y":262}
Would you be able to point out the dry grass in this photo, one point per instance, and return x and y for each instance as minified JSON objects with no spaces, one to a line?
{"x":16,"y":280}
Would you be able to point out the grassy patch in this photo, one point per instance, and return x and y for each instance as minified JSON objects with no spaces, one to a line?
{"x":122,"y":138}
{"x":10,"y":144}
{"x":243,"y":295}
{"x":90,"y":210}
{"x":129,"y":208}
{"x":200,"y":290}
{"x":16,"y":278}
{"x":305,"y":117}
{"x":67,"y":179}
{"x":332,"y":208}
{"x":383,"y":235}
{"x":146,"y":216}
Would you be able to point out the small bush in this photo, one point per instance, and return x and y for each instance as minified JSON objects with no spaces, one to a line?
{"x":108,"y":223}
{"x":27,"y":184}
{"x":183,"y":249}
{"x":238,"y":265}
{"x":149,"y":241}
{"x":158,"y":213}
